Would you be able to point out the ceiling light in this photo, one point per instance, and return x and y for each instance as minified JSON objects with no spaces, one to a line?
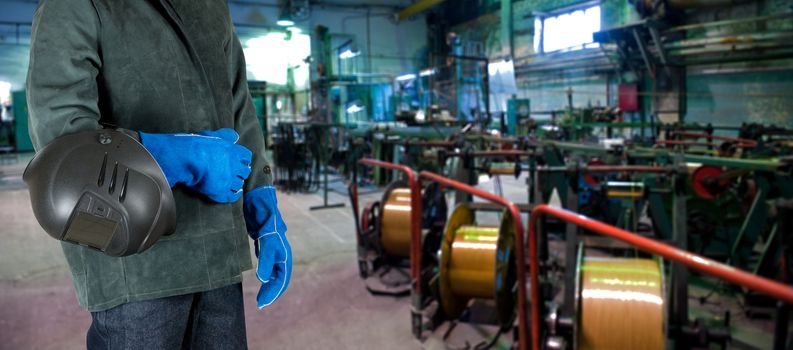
{"x":406,"y":77}
{"x":348,"y":54}
{"x":427,"y":72}
{"x":355,"y":108}
{"x":285,"y":20}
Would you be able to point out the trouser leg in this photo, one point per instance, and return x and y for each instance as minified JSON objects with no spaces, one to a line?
{"x":217,"y":320}
{"x":150,"y":324}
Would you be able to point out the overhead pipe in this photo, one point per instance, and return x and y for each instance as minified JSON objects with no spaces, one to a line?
{"x":698,"y":135}
{"x":606,"y":169}
{"x":730,"y":22}
{"x":751,"y":38}
{"x":491,"y":154}
{"x":647,"y":8}
{"x":684,"y":143}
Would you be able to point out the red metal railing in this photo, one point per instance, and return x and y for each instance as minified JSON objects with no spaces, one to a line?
{"x":708,"y":266}
{"x":415,"y":216}
{"x":519,"y":253}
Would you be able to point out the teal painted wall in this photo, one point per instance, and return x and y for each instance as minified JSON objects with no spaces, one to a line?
{"x":730,"y":99}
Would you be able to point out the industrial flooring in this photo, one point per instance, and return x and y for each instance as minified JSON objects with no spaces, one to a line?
{"x":325,"y":307}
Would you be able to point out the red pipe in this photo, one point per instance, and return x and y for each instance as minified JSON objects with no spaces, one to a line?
{"x":415,"y":217}
{"x":708,"y":266}
{"x":617,"y":168}
{"x":493,"y":153}
{"x":606,"y":169}
{"x":445,"y":144}
{"x":501,"y":153}
{"x":746,"y":142}
{"x":684,"y":143}
{"x":519,"y":254}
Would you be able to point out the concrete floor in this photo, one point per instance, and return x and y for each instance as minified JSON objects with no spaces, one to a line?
{"x":326,"y":305}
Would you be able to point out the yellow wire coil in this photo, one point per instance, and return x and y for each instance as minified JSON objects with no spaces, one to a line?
{"x":477,"y":262}
{"x":395,"y":222}
{"x":622,"y":304}
{"x":472,"y":268}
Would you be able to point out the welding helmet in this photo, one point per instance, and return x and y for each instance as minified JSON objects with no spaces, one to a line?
{"x":100,"y":189}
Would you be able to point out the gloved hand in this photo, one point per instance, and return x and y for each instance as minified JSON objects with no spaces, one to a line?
{"x":268,"y":230}
{"x":209,"y":162}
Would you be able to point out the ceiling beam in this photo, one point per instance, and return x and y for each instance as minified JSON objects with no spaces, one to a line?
{"x":416,"y":8}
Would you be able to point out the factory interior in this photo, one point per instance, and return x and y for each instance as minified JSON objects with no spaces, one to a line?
{"x":483,"y":174}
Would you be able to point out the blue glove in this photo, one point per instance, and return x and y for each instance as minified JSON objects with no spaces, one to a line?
{"x":268,"y":230}
{"x":209,"y":162}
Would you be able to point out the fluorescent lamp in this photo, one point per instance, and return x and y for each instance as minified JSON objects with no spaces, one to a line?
{"x":427,"y":72}
{"x":406,"y":77}
{"x":285,"y":20}
{"x":348,"y":54}
{"x":355,"y":108}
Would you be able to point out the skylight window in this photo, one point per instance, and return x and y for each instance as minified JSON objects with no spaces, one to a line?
{"x":568,"y":31}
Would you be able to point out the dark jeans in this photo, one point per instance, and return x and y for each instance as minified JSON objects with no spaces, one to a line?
{"x":209,"y":320}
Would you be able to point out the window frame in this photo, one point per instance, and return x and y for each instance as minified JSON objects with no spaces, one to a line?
{"x":542,"y":16}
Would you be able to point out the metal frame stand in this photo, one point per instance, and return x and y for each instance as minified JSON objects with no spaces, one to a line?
{"x":325,"y":204}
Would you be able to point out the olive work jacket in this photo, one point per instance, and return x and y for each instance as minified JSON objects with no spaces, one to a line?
{"x":158,"y":66}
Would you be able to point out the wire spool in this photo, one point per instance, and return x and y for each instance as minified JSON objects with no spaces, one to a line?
{"x":621,"y":304}
{"x":504,"y":168}
{"x":594,"y":179}
{"x":395,"y":220}
{"x":624,"y":190}
{"x":707,"y":182}
{"x":477,"y":262}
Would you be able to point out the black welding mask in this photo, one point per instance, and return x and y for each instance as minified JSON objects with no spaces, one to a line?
{"x":101,"y":189}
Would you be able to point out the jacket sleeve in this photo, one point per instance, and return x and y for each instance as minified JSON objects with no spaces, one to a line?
{"x":65,"y":64}
{"x":245,"y":121}
{"x":62,"y":91}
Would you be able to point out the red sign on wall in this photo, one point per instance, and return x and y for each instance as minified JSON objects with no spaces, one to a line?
{"x":628,"y":98}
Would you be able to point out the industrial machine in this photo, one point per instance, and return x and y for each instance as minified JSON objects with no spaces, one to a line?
{"x":463,"y":271}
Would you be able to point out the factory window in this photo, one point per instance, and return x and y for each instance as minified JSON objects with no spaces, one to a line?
{"x":286,"y":66}
{"x":5,"y":92}
{"x":568,"y":31}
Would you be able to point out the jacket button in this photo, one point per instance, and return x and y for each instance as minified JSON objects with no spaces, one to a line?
{"x":266,"y":169}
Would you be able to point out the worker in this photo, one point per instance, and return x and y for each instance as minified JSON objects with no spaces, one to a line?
{"x":171,"y":74}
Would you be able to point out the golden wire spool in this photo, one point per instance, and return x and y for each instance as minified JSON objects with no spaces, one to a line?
{"x":395,"y":220}
{"x":625,"y":190}
{"x":621,"y":304}
{"x":502,"y":168}
{"x":477,"y":262}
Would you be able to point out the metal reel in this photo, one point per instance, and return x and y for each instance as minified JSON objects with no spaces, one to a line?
{"x":370,"y":248}
{"x":620,"y":303}
{"x":477,"y":262}
{"x":707,"y":183}
{"x":395,"y":220}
